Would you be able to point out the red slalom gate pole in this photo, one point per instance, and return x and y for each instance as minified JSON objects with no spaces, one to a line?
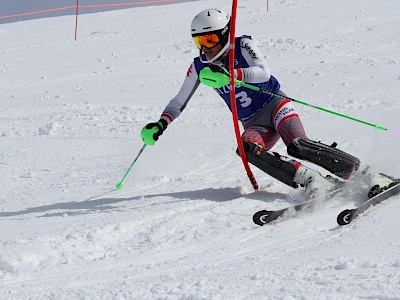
{"x":233,"y":95}
{"x":76,"y":19}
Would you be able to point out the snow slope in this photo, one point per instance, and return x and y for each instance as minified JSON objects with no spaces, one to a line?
{"x":181,"y":228}
{"x":28,"y":9}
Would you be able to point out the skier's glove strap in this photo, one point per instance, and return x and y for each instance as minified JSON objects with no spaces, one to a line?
{"x":238,"y":73}
{"x":218,"y":69}
{"x":152,"y":131}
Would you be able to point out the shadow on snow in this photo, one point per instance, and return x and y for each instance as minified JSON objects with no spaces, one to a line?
{"x":92,"y":204}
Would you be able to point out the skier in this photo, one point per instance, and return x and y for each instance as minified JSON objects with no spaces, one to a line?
{"x":265,"y":118}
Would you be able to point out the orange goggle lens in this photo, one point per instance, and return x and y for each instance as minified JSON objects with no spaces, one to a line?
{"x":208,"y":40}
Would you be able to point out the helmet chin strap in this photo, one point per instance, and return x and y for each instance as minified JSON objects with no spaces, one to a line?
{"x":223,"y":50}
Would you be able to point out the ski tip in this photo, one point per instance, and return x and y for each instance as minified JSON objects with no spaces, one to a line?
{"x":259,"y":217}
{"x":345,"y":217}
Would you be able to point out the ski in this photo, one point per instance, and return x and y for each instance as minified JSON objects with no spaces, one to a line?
{"x":376,"y":195}
{"x":263,"y":217}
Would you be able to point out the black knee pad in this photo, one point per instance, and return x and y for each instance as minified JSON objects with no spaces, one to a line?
{"x":334,"y":160}
{"x":271,"y":163}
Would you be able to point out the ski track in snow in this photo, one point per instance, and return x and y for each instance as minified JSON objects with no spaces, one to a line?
{"x":181,"y":228}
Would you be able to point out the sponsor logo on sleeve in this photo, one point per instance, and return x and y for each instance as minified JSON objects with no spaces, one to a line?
{"x":248,"y":48}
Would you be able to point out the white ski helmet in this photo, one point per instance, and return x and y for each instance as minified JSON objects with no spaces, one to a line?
{"x":212,"y":21}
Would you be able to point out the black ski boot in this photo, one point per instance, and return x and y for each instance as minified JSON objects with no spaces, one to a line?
{"x":329,"y":157}
{"x":273,"y":164}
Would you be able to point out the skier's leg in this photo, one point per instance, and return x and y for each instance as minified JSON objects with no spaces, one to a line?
{"x":262,"y":136}
{"x":258,"y":139}
{"x":329,"y":157}
{"x":287,"y":122}
{"x":288,"y":171}
{"x":279,"y":167}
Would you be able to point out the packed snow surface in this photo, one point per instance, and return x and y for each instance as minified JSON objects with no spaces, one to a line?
{"x":181,"y":227}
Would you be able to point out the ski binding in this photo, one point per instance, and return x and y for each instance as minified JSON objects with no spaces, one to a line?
{"x":376,"y":196}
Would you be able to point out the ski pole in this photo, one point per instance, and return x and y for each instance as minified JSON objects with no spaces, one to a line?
{"x":119,"y":184}
{"x":214,"y":80}
{"x":376,"y":126}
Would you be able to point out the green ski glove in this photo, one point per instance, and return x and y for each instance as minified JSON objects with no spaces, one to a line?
{"x":152,"y":131}
{"x":214,"y":76}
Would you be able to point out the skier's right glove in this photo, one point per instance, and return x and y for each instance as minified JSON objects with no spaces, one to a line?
{"x":152,"y":131}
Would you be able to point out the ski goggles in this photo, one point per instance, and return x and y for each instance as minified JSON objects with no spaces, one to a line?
{"x":207,"y":40}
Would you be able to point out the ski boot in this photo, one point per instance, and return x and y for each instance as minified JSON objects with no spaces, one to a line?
{"x":328,"y":157}
{"x":289,"y":171}
{"x":315,"y":184}
{"x":380,"y":182}
{"x":275,"y":165}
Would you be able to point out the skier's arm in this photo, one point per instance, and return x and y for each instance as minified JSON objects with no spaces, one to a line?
{"x":179,"y":102}
{"x":152,"y":131}
{"x":258,"y":70}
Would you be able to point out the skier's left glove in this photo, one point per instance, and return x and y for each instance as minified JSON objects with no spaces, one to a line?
{"x":214,"y":76}
{"x":217,"y":77}
{"x":152,"y":131}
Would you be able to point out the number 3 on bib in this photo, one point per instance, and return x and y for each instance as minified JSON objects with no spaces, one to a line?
{"x":243,"y":99}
